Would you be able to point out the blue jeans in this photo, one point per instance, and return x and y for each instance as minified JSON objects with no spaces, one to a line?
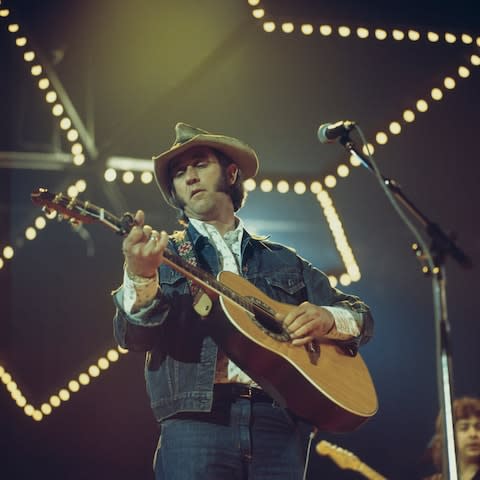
{"x":242,"y":440}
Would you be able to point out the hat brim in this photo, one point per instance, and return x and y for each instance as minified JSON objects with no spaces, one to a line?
{"x":240,"y":153}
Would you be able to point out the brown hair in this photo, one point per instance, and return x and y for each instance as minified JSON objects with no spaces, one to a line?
{"x":462,"y":408}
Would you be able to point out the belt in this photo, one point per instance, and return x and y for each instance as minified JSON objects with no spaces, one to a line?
{"x":234,"y":391}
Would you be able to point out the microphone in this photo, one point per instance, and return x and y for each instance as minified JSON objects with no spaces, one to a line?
{"x":329,"y":132}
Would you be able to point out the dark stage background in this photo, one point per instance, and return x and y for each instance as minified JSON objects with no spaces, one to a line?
{"x":131,"y":70}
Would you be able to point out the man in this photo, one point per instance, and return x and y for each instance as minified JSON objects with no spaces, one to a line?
{"x":217,"y":422}
{"x":466,"y":412}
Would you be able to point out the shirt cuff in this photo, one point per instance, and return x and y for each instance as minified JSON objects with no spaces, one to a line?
{"x":345,"y":325}
{"x":138,"y":292}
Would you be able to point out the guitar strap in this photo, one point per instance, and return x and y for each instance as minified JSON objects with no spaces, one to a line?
{"x":202,"y":303}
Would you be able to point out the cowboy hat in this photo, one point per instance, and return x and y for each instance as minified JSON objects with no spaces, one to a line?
{"x":187,"y":137}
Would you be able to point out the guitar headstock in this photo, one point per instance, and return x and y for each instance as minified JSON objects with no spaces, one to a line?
{"x":67,"y":207}
{"x":343,"y":458}
{"x":83,"y":212}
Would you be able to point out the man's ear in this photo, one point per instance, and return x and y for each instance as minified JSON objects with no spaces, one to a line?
{"x":232,"y":173}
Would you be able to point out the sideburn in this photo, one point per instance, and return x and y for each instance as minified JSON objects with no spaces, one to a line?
{"x":222,"y":186}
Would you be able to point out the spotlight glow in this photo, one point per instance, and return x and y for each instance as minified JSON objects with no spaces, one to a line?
{"x":8,"y":252}
{"x":381,"y":138}
{"x":463,"y":72}
{"x":269,"y":27}
{"x":299,"y":188}
{"x":110,"y":175}
{"x":266,"y":185}
{"x":316,"y":187}
{"x":40,"y":223}
{"x":78,"y":159}
{"x":51,"y":96}
{"x":20,"y":41}
{"x":422,"y":105}
{"x":343,"y":170}
{"x":380,"y":34}
{"x":449,"y":83}
{"x":362,"y":32}
{"x":128,"y":177}
{"x":36,"y":70}
{"x":76,"y":149}
{"x":43,"y":83}
{"x":57,"y":110}
{"x":330,"y":181}
{"x":30,"y":233}
{"x":436,"y":94}
{"x":326,"y":30}
{"x":344,"y":31}
{"x":398,"y":35}
{"x":395,"y":128}
{"x":65,"y":123}
{"x":307,"y":29}
{"x":146,"y":177}
{"x":475,"y":60}
{"x":288,"y":27}
{"x":29,"y":56}
{"x":409,"y":116}
{"x":450,"y":38}
{"x":413,"y":35}
{"x":250,"y":185}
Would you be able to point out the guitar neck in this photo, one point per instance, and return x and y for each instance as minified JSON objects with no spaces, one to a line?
{"x":203,"y":279}
{"x":369,"y":472}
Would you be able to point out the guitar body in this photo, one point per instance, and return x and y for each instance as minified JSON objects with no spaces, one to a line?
{"x":326,"y":387}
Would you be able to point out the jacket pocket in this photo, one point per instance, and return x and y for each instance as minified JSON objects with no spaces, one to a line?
{"x":287,"y":286}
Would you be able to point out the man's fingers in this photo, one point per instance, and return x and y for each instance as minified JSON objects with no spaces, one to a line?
{"x":304,"y":329}
{"x":293,"y":314}
{"x":140,"y":218}
{"x":298,"y":342}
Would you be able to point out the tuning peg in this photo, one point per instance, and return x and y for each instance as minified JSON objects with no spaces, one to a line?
{"x":74,"y":222}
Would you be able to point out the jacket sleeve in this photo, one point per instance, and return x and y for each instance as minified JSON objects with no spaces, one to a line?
{"x":139,"y":331}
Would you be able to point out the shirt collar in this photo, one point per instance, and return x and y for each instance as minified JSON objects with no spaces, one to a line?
{"x":203,"y":227}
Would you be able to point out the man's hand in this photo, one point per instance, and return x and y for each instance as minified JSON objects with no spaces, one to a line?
{"x":307,"y":322}
{"x":143,"y":248}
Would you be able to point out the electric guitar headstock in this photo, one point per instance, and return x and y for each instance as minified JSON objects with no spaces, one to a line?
{"x":347,"y":460}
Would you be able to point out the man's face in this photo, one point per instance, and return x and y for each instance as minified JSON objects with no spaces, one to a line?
{"x":468,"y":438}
{"x":200,"y":184}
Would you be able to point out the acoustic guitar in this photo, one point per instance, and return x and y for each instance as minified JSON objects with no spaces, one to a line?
{"x":347,"y":460}
{"x":320,"y":382}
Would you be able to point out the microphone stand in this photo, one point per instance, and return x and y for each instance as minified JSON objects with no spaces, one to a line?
{"x":441,"y":246}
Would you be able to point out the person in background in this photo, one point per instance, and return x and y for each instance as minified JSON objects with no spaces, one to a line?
{"x":466,"y":414}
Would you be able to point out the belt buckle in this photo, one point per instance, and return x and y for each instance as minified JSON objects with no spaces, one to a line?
{"x":248,"y":394}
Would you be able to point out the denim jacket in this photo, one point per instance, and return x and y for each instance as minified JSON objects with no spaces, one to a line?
{"x":180,"y":353}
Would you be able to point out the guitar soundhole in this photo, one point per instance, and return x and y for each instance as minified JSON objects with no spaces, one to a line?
{"x":265,"y":319}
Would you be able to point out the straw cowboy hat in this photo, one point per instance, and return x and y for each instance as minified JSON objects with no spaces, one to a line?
{"x":187,"y":137}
